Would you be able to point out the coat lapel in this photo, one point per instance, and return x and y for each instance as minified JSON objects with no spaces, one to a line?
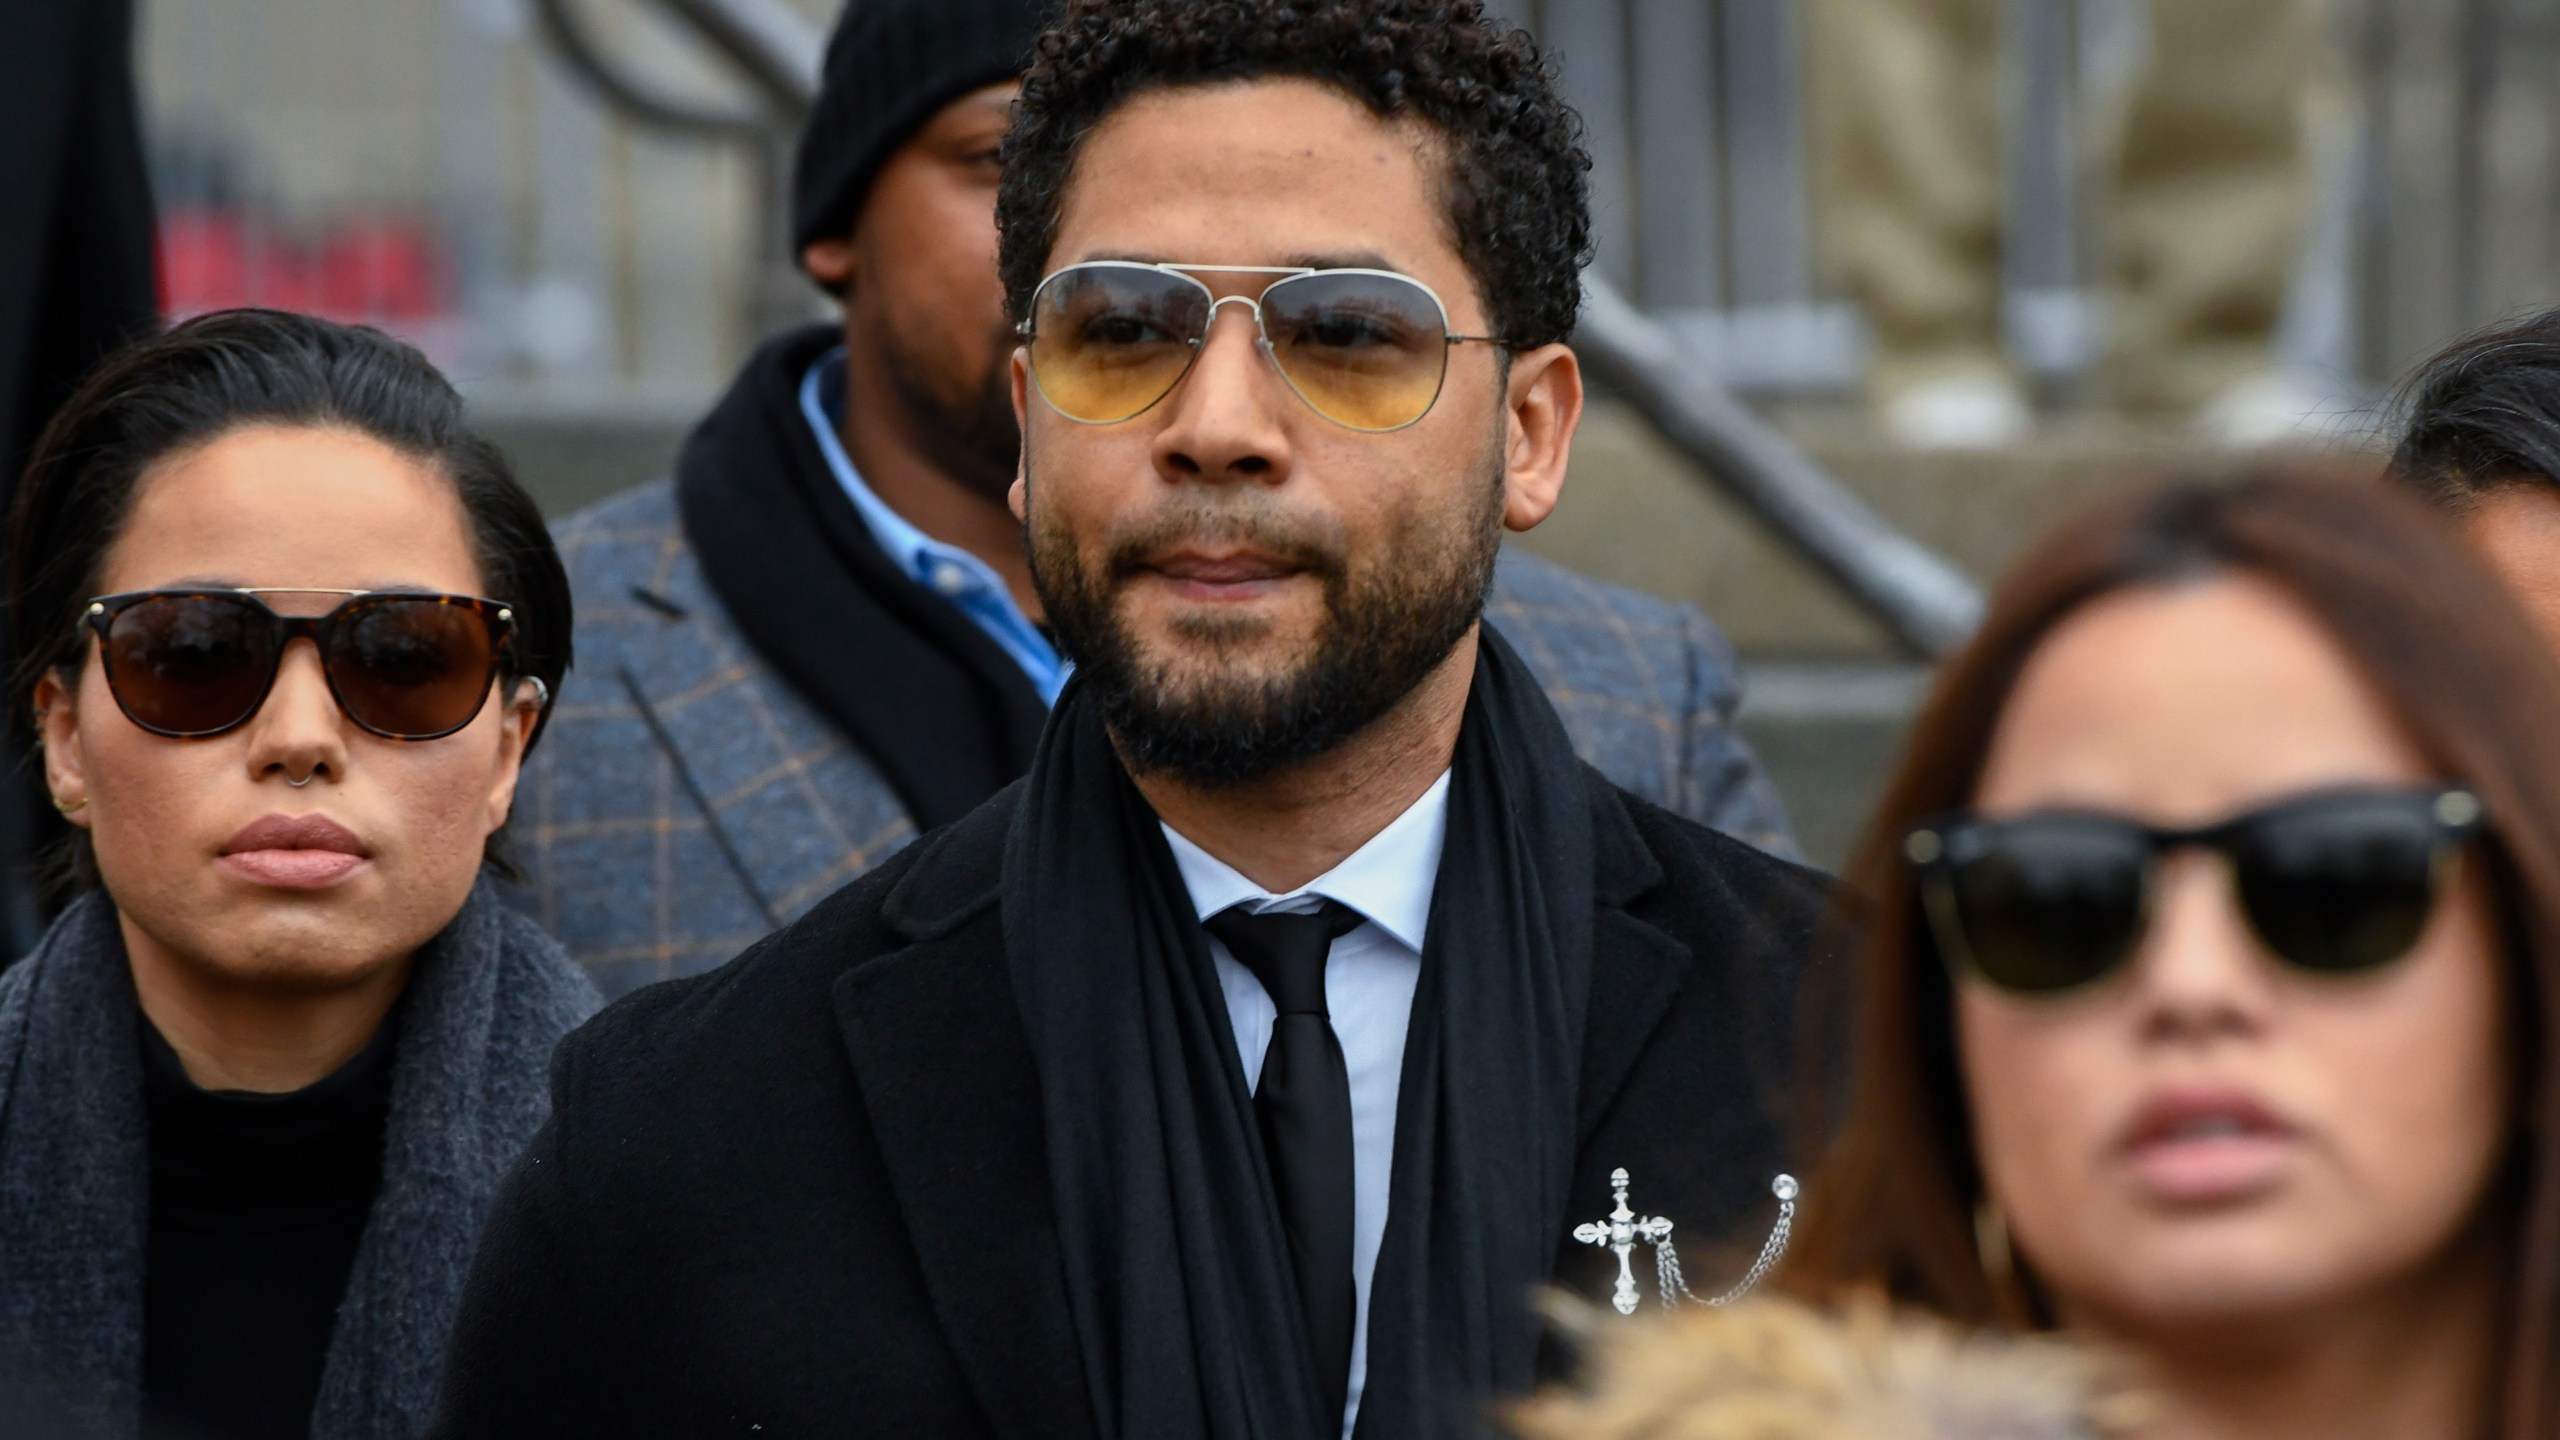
{"x":1636,"y":968}
{"x":691,"y":736}
{"x":725,"y":721}
{"x":938,"y":1053}
{"x":1686,"y":1049}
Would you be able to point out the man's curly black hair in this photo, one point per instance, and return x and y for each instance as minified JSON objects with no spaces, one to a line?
{"x":1514,"y":177}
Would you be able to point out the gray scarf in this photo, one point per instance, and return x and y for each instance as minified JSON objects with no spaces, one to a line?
{"x":490,"y":996}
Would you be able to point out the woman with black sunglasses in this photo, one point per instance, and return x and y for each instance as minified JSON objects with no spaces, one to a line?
{"x":284,"y":630}
{"x":2207,"y":1008}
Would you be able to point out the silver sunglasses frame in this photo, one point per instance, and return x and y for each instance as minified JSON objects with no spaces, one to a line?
{"x":1281,"y":274}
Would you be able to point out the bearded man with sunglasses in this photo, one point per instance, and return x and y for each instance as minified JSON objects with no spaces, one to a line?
{"x":1246,"y":1069}
{"x":821,"y":637}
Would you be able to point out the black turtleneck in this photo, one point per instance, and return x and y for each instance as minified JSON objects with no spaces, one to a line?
{"x":257,"y":1205}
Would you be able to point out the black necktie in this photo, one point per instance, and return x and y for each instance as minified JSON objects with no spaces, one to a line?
{"x":1303,"y":1102}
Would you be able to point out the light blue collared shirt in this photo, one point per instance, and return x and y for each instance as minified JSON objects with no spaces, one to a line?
{"x":1369,"y":979}
{"x":969,"y":583}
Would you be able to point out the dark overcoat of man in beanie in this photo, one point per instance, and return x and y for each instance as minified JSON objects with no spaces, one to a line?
{"x":1246,"y":1069}
{"x":820,"y":638}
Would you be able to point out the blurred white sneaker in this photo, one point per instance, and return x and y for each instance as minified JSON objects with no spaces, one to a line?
{"x":1971,"y":411}
{"x":2267,"y":410}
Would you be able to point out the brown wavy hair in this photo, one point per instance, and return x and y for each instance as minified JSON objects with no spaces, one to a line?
{"x":1892,"y":1205}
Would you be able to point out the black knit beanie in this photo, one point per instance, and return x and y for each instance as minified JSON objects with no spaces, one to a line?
{"x":890,"y":66}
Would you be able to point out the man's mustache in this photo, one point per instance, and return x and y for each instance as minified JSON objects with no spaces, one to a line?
{"x":1298,"y":543}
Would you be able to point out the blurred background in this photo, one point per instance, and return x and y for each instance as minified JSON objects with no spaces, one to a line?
{"x":1960,"y":261}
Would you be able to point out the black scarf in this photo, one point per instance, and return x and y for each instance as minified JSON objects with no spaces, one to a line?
{"x":938,"y":706}
{"x":1184,"y":1303}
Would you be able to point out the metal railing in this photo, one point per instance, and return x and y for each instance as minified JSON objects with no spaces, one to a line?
{"x":1927,"y":604}
{"x":773,"y":47}
{"x":1694,"y":117}
{"x":2451,"y":173}
{"x":428,"y":166}
{"x":451,"y":125}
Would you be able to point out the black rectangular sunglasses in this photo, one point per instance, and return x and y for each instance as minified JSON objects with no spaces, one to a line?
{"x":2336,"y":882}
{"x":404,"y":665}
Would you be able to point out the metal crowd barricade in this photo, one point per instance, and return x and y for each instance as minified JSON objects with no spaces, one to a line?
{"x":2452,"y":172}
{"x":1693,"y":114}
{"x":425,"y":165}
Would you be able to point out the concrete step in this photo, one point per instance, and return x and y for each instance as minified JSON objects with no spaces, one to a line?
{"x":1637,"y":512}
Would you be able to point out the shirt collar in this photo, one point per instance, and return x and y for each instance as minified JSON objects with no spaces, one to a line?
{"x":1388,"y":880}
{"x":967,"y":582}
{"x":916,"y":553}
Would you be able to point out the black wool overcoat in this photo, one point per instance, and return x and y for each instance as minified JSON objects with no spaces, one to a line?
{"x":806,"y":1194}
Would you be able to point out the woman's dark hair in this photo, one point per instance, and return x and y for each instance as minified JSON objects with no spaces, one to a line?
{"x":1514,"y":176}
{"x":2442,"y":644}
{"x":214,"y":374}
{"x":2483,"y":413}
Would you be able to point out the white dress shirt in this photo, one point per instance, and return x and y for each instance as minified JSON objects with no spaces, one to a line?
{"x":1369,"y":977}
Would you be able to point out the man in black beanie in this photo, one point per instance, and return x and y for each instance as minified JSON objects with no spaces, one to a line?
{"x":819,"y":638}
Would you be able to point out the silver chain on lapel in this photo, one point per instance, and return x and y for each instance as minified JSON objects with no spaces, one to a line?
{"x":1674,"y":1288}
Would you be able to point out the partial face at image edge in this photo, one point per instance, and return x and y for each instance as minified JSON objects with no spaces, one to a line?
{"x":2206,"y":1139}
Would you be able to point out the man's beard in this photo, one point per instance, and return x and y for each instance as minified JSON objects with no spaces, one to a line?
{"x":1380,"y":636}
{"x":970,"y":437}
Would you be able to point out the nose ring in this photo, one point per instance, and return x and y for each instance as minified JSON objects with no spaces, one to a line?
{"x":305,"y":780}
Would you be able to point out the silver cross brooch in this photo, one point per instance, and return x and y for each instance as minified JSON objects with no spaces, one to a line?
{"x":1624,"y":1228}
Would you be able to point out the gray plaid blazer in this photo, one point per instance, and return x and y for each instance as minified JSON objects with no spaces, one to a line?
{"x":685,"y":801}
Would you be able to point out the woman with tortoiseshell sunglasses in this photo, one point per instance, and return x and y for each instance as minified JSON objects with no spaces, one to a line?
{"x":284,"y":630}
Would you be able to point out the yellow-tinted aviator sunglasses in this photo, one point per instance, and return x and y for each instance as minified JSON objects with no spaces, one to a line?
{"x":1366,"y":349}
